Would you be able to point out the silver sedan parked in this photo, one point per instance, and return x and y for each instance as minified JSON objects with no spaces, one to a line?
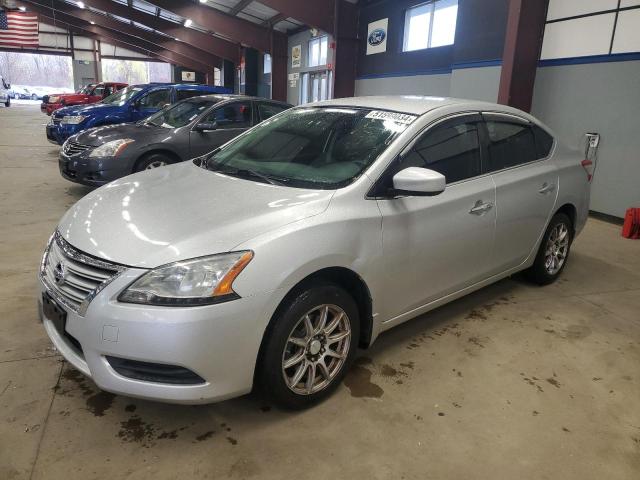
{"x":269,"y":261}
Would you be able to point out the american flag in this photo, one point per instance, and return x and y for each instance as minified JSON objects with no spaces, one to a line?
{"x":18,"y":29}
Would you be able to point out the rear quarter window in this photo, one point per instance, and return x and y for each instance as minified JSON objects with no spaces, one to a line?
{"x":544,"y":142}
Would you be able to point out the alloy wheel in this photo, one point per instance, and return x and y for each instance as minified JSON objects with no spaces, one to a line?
{"x":557,"y":249}
{"x":155,"y":164}
{"x":316,"y":349}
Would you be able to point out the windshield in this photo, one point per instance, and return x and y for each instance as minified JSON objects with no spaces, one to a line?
{"x":322,"y":147}
{"x":87,"y":89}
{"x":121,"y":96}
{"x":181,"y":113}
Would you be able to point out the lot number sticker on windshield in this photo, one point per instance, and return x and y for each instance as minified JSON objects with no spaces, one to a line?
{"x":394,"y":116}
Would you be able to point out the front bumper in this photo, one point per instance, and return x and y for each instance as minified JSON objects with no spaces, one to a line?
{"x":58,"y":132}
{"x":219,"y":343}
{"x":93,"y":172}
{"x":49,"y":108}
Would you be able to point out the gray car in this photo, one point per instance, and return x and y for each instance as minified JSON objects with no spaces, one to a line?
{"x":184,"y":130}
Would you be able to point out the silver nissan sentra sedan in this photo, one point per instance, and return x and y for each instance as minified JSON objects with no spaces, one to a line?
{"x":269,"y":261}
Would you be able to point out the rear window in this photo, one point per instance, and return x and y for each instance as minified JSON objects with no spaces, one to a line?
{"x":510,"y":144}
{"x":544,"y":142}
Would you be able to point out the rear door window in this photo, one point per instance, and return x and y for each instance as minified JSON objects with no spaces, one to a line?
{"x":451,"y":148}
{"x":232,"y":115}
{"x":156,"y":99}
{"x":509,"y":144}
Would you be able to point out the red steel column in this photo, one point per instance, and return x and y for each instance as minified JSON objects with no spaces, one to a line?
{"x":523,"y":42}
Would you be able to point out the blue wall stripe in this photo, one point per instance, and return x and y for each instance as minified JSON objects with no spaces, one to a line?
{"x":616,"y":57}
{"x":435,"y":71}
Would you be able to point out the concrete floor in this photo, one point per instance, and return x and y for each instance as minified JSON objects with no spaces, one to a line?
{"x":511,"y":382}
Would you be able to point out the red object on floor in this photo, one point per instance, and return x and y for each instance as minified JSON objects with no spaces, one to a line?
{"x":631,"y":227}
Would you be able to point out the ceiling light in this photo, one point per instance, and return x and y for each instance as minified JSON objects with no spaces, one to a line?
{"x":177,"y":39}
{"x":92,"y":22}
{"x":22,"y":9}
{"x":188,"y":22}
{"x":203,"y":1}
{"x":80,"y":4}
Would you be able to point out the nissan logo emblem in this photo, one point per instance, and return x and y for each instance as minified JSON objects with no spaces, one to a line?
{"x":59,"y":273}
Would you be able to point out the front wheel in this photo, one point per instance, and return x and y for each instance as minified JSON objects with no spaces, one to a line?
{"x":151,"y":161}
{"x":553,"y":252}
{"x":309,"y":346}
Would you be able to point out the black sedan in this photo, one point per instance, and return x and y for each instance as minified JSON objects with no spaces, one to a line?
{"x":185,"y":130}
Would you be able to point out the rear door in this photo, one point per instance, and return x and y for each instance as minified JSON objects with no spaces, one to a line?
{"x":150,"y":102}
{"x":438,"y":245}
{"x":526,"y":187}
{"x":231,"y":120}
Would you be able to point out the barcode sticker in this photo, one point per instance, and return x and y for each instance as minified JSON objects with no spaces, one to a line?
{"x":396,"y":117}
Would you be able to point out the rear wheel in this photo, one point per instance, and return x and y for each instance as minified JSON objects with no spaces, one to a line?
{"x":310,"y":346}
{"x":153,"y":160}
{"x":553,"y":252}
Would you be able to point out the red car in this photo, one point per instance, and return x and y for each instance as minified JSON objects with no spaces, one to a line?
{"x":92,"y":93}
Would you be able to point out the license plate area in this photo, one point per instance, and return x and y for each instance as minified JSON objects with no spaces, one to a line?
{"x":54,"y":313}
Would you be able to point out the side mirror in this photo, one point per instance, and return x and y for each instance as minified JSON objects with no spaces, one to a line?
{"x":419,"y":182}
{"x":205,"y":127}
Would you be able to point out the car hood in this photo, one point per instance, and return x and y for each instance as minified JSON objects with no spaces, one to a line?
{"x":69,"y":96}
{"x":94,"y":108}
{"x":99,"y":135}
{"x":179,"y":212}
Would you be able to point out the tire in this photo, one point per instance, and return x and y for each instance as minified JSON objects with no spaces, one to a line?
{"x":8,"y":102}
{"x":312,"y":349}
{"x":34,"y":97}
{"x":152,"y":160}
{"x":554,"y":247}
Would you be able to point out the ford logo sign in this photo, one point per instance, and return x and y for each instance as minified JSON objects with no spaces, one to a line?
{"x":377,"y":37}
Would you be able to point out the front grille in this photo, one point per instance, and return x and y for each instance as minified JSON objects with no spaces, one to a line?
{"x":73,"y":277}
{"x":74,"y":148}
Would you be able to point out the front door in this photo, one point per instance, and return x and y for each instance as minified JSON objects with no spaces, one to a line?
{"x":526,"y":188}
{"x":438,"y":245}
{"x":231,"y":119}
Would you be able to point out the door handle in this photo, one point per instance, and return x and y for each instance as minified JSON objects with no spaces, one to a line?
{"x":547,"y":188}
{"x":480,"y":208}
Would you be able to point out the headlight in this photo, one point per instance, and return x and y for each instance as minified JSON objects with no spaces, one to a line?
{"x":201,"y":281}
{"x":73,"y":119}
{"x":112,"y":148}
{"x":54,"y":99}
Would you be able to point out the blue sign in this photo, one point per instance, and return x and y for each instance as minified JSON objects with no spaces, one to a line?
{"x":377,"y":37}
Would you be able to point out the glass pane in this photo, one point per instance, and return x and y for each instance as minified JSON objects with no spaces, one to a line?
{"x":234,"y":115}
{"x":315,"y":89}
{"x":314,"y":53}
{"x":323,"y":51}
{"x":510,"y":144}
{"x":267,"y":64}
{"x":323,"y":88}
{"x":304,"y":89}
{"x":416,"y":29}
{"x":309,"y":147}
{"x":444,"y":23}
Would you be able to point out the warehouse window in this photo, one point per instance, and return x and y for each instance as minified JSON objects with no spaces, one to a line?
{"x":318,"y":51}
{"x":266,"y":66}
{"x":430,"y":25}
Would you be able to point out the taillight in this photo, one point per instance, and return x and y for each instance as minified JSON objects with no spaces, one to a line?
{"x":588,"y":167}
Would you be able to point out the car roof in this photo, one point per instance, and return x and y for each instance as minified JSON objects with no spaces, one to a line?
{"x":231,"y":96}
{"x":413,"y":104}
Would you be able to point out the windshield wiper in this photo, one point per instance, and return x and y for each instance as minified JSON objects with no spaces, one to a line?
{"x":246,"y":173}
